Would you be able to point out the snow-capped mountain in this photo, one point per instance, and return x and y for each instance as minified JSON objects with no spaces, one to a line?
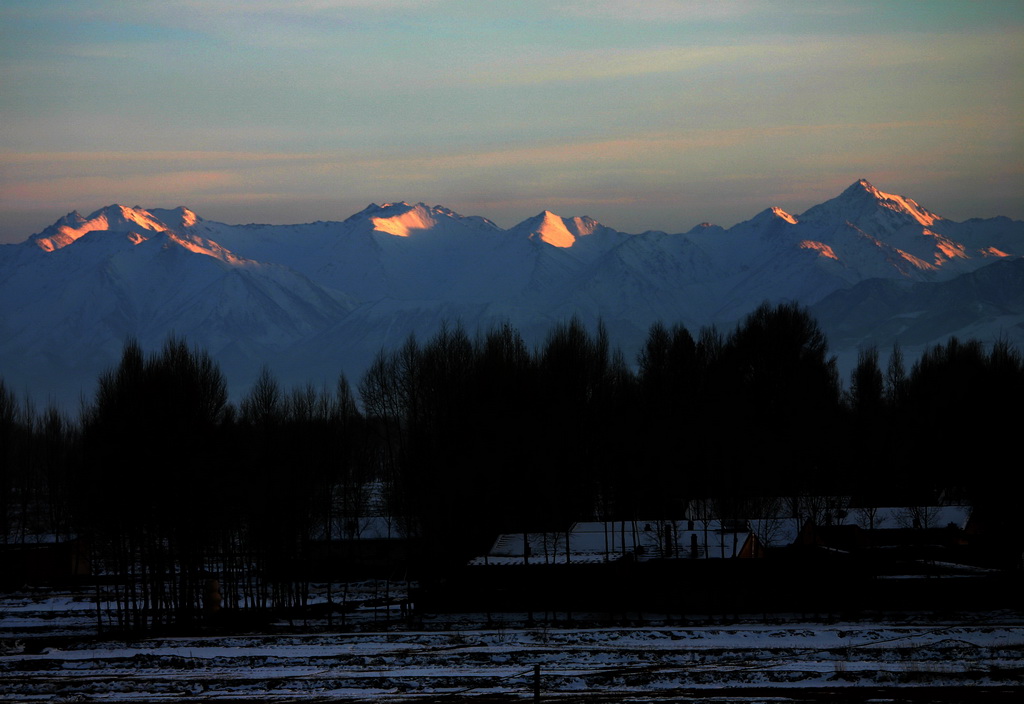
{"x":316,"y":299}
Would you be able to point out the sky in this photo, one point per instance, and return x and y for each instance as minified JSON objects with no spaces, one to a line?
{"x":644,"y":115}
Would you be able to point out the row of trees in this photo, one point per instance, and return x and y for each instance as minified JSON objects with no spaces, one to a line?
{"x":187,"y":503}
{"x":459,"y":438}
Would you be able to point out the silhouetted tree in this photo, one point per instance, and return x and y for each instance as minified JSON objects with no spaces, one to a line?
{"x":867,"y":389}
{"x":10,"y":432}
{"x":571,"y":367}
{"x":961,"y":398}
{"x":895,"y":378}
{"x":782,"y":391}
{"x":145,"y":493}
{"x":869,"y":427}
{"x":668,"y":387}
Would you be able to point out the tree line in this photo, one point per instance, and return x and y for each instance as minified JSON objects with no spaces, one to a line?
{"x":187,"y":501}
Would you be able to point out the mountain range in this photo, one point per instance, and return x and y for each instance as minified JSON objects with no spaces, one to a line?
{"x":313,"y":300}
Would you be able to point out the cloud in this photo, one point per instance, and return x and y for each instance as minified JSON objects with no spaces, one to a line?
{"x":160,"y":157}
{"x":423,"y":158}
{"x":102,"y":189}
{"x":662,"y":11}
{"x":743,"y":61}
{"x":585,"y":65}
{"x":307,"y":7}
{"x":631,"y":164}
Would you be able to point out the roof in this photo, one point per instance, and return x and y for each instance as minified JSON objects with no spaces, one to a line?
{"x":606,"y":541}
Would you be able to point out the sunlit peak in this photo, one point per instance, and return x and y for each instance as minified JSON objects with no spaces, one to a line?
{"x":116,"y":218}
{"x":188,"y":218}
{"x":900,"y":204}
{"x":403,"y":224}
{"x":780,"y":213}
{"x":552,"y":230}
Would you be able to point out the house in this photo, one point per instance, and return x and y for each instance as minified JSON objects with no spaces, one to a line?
{"x":778,"y":522}
{"x":594,"y":542}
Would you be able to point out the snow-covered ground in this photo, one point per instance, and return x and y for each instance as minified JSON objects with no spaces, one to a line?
{"x":49,"y":652}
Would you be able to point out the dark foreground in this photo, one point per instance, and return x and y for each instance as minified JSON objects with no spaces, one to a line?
{"x":50,"y":652}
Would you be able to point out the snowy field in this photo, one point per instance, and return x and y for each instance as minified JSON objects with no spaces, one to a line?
{"x":49,"y":651}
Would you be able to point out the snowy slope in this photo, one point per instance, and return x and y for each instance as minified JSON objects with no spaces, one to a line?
{"x":67,"y":310}
{"x":312,"y":300}
{"x":881,"y":312}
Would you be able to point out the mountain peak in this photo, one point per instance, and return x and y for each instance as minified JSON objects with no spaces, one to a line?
{"x":558,"y":231}
{"x":861,"y":185}
{"x":175,"y":217}
{"x":705,"y":228}
{"x":551,"y":229}
{"x":401,"y":219}
{"x":862,"y":200}
{"x":121,"y":218}
{"x":773,"y":215}
{"x":113,"y":218}
{"x":548,"y":227}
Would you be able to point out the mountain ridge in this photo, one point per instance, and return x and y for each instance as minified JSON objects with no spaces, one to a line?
{"x":269,"y":294}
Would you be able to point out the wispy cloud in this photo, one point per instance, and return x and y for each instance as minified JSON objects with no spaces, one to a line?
{"x":173,"y":185}
{"x":156,"y":157}
{"x":574,"y":66}
{"x":930,"y":51}
{"x":48,"y":176}
{"x":662,"y":11}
